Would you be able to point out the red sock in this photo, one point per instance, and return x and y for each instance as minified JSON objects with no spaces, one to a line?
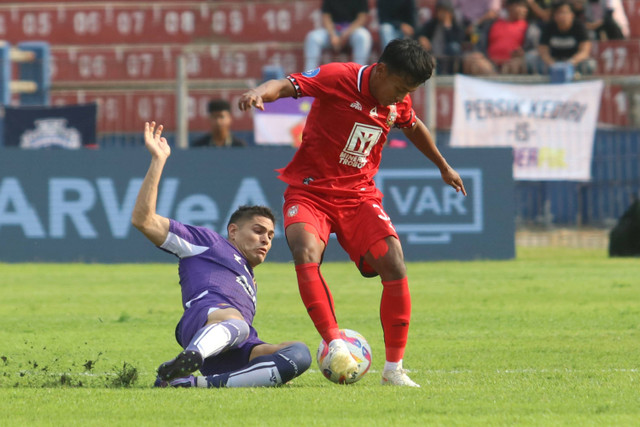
{"x":395,"y":312}
{"x":316,"y":296}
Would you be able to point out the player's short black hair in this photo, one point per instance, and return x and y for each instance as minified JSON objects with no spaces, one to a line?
{"x":216,"y":105}
{"x":247,"y":212}
{"x":407,"y":58}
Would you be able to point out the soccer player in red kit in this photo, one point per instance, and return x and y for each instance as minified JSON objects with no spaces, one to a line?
{"x":331,"y":186}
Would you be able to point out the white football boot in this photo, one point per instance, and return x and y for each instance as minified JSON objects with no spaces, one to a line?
{"x":397,"y":376}
{"x":342,"y":363}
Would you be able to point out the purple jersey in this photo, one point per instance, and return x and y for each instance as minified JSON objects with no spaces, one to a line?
{"x":211,"y":265}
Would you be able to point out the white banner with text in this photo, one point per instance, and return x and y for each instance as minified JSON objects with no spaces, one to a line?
{"x":551,"y":127}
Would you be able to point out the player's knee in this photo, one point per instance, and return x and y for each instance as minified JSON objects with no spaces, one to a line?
{"x":304,"y":254}
{"x":386,"y":258}
{"x":397,"y":270}
{"x":296,"y":358}
{"x":239,"y":327}
{"x":301,"y":356}
{"x":391,"y":270}
{"x":305,"y":243}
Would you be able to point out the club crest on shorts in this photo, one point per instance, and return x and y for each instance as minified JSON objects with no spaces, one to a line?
{"x":293,"y":211}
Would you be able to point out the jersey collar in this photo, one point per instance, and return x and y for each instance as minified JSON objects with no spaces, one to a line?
{"x":364,"y":76}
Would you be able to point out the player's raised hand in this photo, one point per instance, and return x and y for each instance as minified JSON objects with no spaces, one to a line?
{"x":451,"y":177}
{"x":155,"y":142}
{"x":251,"y":99}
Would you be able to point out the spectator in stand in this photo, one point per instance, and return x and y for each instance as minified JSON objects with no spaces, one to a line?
{"x":604,"y":19}
{"x":539,"y":15}
{"x":503,"y":45}
{"x":442,"y":36}
{"x":563,"y":40}
{"x":343,"y":23}
{"x":476,"y":14}
{"x":398,"y":20}
{"x":220,"y":120}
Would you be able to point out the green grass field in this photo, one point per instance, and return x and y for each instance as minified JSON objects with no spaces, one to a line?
{"x":551,"y":338}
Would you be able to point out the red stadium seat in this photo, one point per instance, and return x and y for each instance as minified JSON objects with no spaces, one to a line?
{"x":95,"y":65}
{"x":158,"y":22}
{"x":617,"y":57}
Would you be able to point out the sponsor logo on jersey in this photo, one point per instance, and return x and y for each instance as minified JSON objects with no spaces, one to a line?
{"x":356,"y":105}
{"x":374,"y":112}
{"x":311,"y":73}
{"x":242,"y":281}
{"x":362,"y":139}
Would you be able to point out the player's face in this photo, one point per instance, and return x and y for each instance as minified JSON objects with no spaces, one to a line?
{"x":253,"y":238}
{"x":390,"y":88}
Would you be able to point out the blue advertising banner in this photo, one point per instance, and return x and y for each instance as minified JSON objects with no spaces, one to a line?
{"x":64,"y":206}
{"x":71,"y":126}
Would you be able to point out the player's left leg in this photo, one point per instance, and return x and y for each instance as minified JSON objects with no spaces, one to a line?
{"x":270,"y":365}
{"x":386,"y":258}
{"x":373,"y":244}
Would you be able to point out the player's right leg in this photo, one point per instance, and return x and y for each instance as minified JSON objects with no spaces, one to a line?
{"x":224,"y":329}
{"x":306,"y":235}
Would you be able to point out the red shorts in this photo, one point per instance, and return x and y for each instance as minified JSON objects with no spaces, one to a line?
{"x":358,"y":223}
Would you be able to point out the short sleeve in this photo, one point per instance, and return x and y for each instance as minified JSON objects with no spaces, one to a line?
{"x":317,"y":82}
{"x":186,"y":240}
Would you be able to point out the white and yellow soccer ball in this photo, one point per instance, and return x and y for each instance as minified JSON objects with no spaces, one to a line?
{"x":360,"y":350}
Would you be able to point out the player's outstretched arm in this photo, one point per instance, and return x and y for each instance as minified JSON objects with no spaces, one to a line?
{"x":420,"y":136}
{"x":144,"y":217}
{"x":268,"y":91}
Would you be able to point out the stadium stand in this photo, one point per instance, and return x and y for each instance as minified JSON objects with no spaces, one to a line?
{"x":117,"y":52}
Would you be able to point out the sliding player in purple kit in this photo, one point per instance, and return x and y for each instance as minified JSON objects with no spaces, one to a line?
{"x":218,"y":292}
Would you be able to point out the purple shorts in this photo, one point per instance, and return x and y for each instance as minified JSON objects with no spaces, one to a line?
{"x":195,"y":317}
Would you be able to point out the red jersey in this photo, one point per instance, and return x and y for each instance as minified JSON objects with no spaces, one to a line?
{"x":345,"y":131}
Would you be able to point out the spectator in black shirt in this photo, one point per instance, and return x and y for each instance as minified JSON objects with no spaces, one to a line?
{"x":563,"y":40}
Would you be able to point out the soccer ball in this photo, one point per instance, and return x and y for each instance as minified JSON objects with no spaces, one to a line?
{"x":360,"y":350}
